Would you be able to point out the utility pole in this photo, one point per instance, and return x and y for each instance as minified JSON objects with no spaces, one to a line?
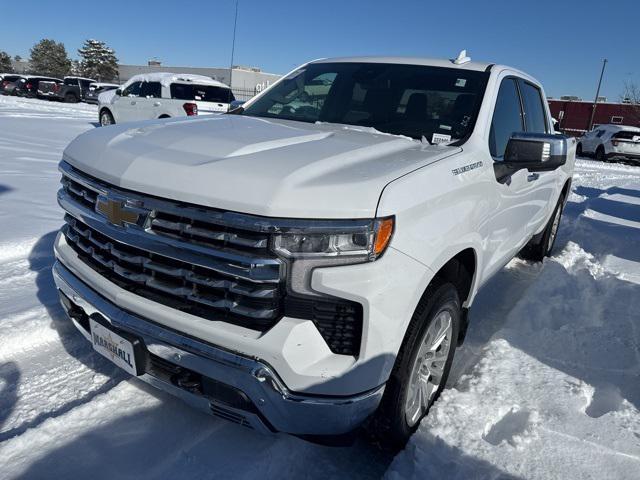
{"x":233,"y":48}
{"x":595,"y":101}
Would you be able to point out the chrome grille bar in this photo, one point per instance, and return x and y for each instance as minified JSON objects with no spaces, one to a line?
{"x":204,"y":288}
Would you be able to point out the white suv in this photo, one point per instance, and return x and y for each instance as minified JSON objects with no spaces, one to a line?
{"x":611,"y":142}
{"x":164,"y":95}
{"x":308,"y":262}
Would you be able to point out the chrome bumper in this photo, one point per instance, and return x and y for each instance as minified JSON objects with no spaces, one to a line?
{"x":276,"y":408}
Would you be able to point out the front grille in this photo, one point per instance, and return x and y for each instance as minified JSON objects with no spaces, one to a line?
{"x":186,"y":287}
{"x":209,"y":263}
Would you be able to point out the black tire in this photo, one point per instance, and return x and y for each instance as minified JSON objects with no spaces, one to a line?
{"x":389,"y":426}
{"x":541,"y":246}
{"x":106,"y":118}
{"x":579,"y":150}
{"x":70,"y":98}
{"x":600,"y":154}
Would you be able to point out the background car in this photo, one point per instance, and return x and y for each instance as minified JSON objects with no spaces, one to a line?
{"x":611,"y":142}
{"x":28,"y":86}
{"x":165,"y":95}
{"x":71,"y":90}
{"x":7,"y":84}
{"x":96,"y":89}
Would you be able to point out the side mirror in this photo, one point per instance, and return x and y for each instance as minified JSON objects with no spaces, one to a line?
{"x":118,"y":91}
{"x":536,"y":152}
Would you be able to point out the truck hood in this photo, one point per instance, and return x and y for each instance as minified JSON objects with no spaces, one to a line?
{"x":253,"y":165}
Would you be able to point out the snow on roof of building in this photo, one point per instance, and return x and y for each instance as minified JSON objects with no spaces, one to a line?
{"x":167,"y":78}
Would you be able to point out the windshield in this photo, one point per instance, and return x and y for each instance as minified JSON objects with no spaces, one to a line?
{"x":204,"y":93}
{"x":437,"y":103}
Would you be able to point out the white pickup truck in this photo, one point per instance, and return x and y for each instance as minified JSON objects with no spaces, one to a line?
{"x":307,"y":263}
{"x":164,"y":95}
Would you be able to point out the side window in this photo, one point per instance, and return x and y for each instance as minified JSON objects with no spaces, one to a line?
{"x":534,"y":112}
{"x":132,"y":90}
{"x":151,"y":90}
{"x":507,"y":118}
{"x":600,"y":133}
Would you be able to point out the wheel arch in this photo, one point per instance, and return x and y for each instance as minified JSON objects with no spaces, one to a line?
{"x":459,"y":267}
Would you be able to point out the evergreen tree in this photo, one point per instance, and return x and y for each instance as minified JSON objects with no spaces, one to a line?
{"x":75,"y":68}
{"x":49,"y":58}
{"x":5,"y":63}
{"x":98,"y":61}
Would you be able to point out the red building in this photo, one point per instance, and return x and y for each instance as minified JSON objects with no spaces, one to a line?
{"x":573,"y":116}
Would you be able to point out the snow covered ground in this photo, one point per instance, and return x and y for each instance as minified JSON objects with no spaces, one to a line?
{"x":547,"y":385}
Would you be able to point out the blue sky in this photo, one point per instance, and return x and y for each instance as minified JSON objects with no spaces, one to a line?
{"x":560,"y":42}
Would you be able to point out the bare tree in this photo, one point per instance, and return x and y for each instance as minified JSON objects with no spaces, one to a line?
{"x":631,"y":95}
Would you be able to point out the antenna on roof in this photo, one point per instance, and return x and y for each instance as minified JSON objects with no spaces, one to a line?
{"x":462,"y":58}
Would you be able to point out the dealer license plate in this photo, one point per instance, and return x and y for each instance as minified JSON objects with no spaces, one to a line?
{"x":113,"y":346}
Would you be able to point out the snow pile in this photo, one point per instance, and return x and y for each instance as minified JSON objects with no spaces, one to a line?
{"x":547,"y":385}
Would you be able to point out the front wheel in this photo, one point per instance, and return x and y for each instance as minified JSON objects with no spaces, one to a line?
{"x":106,"y":118}
{"x":422,"y":366}
{"x":579,"y":150}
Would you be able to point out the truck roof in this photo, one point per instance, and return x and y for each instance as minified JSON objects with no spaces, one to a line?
{"x":432,"y":62}
{"x":102,"y":84}
{"x":80,"y":78}
{"x":167,"y":78}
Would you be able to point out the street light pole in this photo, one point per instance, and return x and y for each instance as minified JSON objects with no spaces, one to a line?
{"x":233,"y":48}
{"x":595,"y":101}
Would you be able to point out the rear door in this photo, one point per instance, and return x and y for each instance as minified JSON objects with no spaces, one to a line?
{"x":84,"y":87}
{"x":544,"y":185}
{"x":150,"y":101}
{"x":518,"y":200}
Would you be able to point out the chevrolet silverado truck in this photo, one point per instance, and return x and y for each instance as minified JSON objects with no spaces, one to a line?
{"x":70,"y":90}
{"x":306,"y":263}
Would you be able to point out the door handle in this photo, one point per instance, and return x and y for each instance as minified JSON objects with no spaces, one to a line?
{"x":133,"y":102}
{"x":156,"y":104}
{"x":533,"y":177}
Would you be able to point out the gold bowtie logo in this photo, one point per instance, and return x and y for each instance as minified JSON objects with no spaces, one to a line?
{"x":116,"y":212}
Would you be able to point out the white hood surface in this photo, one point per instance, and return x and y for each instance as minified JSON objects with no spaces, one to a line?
{"x":253,"y":165}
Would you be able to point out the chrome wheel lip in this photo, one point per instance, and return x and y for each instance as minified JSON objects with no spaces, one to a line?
{"x":428,"y":367}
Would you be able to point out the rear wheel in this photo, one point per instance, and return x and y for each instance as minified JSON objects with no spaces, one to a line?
{"x":422,"y":366}
{"x":70,"y":98}
{"x":106,"y":118}
{"x":600,"y":154}
{"x":579,"y":150}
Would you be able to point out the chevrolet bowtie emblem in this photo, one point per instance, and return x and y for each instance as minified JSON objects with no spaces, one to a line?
{"x":116,"y":212}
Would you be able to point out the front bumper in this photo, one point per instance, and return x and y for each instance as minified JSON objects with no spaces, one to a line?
{"x":266,"y":404}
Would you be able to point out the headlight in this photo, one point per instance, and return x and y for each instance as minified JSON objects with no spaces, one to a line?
{"x":324,"y":244}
